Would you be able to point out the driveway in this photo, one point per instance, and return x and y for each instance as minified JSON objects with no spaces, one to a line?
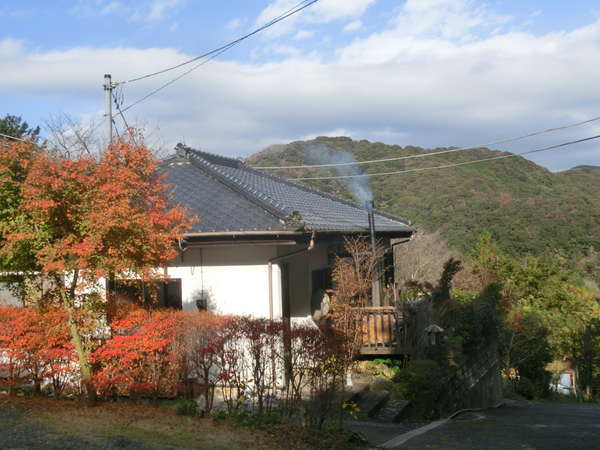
{"x":518,"y":425}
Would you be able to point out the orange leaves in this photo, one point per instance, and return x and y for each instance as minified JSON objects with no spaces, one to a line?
{"x":110,"y":214}
{"x":35,"y":347}
{"x":143,"y":355}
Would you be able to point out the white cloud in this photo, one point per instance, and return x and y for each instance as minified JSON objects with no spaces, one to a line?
{"x":413,"y":83}
{"x":234,"y":24}
{"x":322,"y":12}
{"x":110,"y":8}
{"x":353,"y":26}
{"x":11,"y":48}
{"x":304,"y":34}
{"x":160,"y":8}
{"x":275,"y":49}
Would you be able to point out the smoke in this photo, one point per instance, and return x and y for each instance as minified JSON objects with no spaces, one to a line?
{"x":320,"y":153}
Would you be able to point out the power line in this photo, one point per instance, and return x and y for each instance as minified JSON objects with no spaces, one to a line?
{"x":423,"y":155}
{"x":118,"y":106}
{"x":213,"y":53}
{"x":116,"y":129}
{"x":170,"y":82}
{"x":290,"y":12}
{"x":445,"y":166}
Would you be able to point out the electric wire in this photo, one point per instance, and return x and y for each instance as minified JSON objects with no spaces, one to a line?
{"x":423,"y":155}
{"x":445,"y":166}
{"x":120,"y":111}
{"x":295,"y":9}
{"x":212,"y":54}
{"x":170,"y":82}
{"x":116,"y":129}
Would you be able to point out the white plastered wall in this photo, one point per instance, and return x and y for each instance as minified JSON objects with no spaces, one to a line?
{"x":236,"y":279}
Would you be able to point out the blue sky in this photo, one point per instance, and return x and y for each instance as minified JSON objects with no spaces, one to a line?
{"x":420,"y":72}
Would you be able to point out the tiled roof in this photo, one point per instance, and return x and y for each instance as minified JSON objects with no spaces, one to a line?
{"x":228,"y":196}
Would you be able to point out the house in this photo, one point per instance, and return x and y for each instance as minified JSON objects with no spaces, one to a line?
{"x":264,"y":245}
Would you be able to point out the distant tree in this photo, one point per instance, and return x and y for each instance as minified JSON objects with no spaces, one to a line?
{"x":546,"y":311}
{"x":15,"y":126}
{"x":83,"y":219}
{"x":16,"y":160}
{"x":422,"y":258}
{"x":71,"y":138}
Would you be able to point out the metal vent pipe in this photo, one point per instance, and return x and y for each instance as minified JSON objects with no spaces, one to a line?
{"x":376,"y":288}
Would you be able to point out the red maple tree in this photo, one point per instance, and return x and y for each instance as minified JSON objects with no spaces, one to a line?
{"x":86,"y":219}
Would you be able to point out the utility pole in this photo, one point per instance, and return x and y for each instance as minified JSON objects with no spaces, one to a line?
{"x":108,"y":87}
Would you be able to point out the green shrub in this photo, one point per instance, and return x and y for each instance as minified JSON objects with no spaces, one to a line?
{"x":420,"y":384}
{"x":273,"y":417}
{"x":218,"y":415}
{"x":526,"y":388}
{"x":386,"y":368}
{"x":186,"y":407}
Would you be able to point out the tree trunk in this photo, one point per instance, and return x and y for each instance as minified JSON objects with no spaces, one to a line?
{"x":68,"y":299}
{"x":82,"y":356}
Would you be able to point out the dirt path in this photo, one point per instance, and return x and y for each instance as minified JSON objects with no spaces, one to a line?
{"x":520,"y":425}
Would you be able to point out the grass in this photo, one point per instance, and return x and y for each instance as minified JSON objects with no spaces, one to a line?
{"x":151,"y":426}
{"x":159,"y":426}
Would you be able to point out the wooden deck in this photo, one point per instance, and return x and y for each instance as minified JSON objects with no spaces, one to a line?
{"x":385,"y":332}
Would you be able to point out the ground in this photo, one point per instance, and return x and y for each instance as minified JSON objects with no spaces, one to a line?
{"x":41,"y":423}
{"x":519,"y":425}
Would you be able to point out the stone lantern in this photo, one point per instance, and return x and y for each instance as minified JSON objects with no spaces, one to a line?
{"x":433,"y":332}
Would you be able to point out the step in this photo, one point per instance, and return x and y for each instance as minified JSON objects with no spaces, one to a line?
{"x":391,"y":411}
{"x":369,"y":403}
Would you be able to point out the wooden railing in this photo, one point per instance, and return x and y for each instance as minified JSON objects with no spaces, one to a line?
{"x":385,"y":331}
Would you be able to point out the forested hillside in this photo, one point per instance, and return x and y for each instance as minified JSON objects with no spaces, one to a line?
{"x":525,"y":207}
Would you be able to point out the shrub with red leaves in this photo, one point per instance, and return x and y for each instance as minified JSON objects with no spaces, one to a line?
{"x":143,"y":356}
{"x":35,"y":347}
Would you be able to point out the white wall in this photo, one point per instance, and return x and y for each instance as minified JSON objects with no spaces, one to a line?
{"x":235,"y":277}
{"x":7,"y":297}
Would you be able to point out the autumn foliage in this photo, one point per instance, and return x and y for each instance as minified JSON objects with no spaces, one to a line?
{"x":251,"y":364}
{"x":96,"y":216}
{"x":36,"y":348}
{"x":76,"y":221}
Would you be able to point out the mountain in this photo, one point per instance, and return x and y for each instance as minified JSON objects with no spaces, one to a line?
{"x":584,"y":167}
{"x":525,"y":207}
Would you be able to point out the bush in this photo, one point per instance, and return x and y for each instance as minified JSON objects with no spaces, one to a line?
{"x":162,"y":353}
{"x":525,"y":388}
{"x":420,"y":384}
{"x":36,"y":349}
{"x":144,"y":356}
{"x":186,"y":407}
{"x":218,"y":415}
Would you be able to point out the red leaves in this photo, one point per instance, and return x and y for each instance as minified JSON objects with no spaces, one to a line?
{"x":143,"y":355}
{"x":110,"y":214}
{"x":35,"y":347}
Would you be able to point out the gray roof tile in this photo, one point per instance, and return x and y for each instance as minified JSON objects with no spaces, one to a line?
{"x":229,"y":196}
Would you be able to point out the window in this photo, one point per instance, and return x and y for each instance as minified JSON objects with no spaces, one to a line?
{"x":155,"y":295}
{"x":321,"y":283}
